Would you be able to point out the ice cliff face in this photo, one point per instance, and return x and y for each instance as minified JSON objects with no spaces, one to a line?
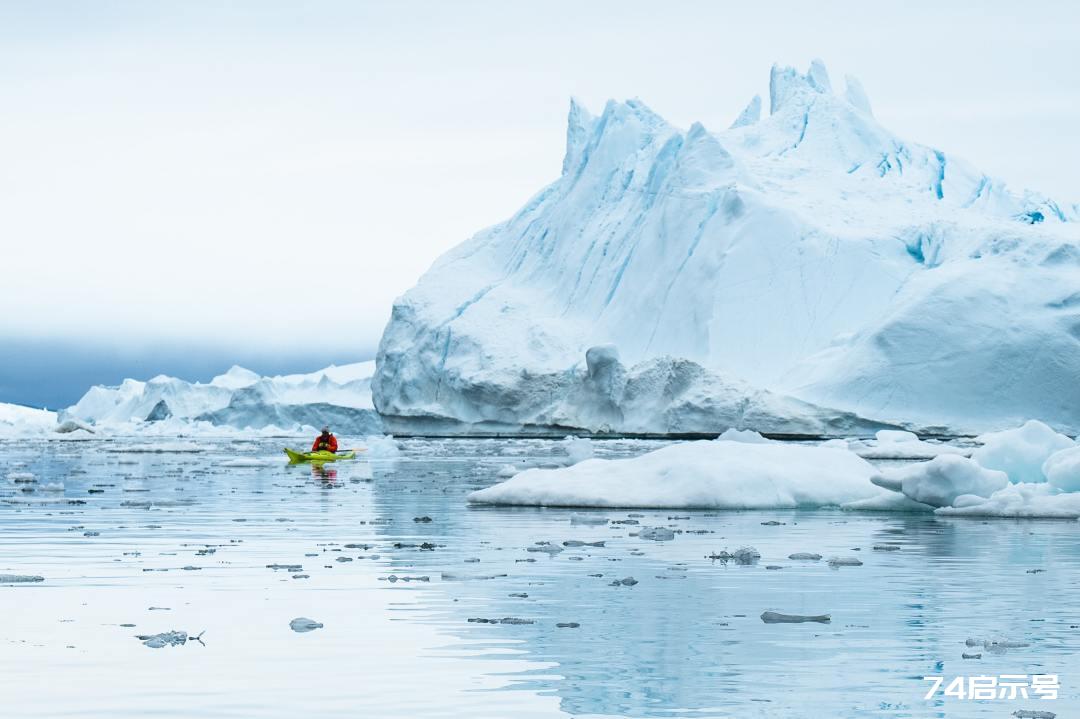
{"x":810,"y":252}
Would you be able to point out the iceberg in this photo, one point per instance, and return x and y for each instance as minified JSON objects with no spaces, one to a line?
{"x":240,"y":399}
{"x":697,"y":475}
{"x":807,"y":272}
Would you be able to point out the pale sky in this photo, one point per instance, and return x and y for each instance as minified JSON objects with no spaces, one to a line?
{"x":268,"y":176}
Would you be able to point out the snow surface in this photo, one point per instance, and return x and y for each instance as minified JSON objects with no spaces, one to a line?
{"x":703,"y":475}
{"x":670,"y":277}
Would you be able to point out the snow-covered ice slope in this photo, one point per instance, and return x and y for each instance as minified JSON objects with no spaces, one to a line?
{"x":810,"y":252}
{"x":17,"y":420}
{"x":241,"y":398}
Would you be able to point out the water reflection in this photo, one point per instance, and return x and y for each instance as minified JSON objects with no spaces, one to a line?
{"x":686,"y":639}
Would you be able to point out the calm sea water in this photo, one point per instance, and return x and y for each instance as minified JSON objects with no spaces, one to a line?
{"x":182,"y":542}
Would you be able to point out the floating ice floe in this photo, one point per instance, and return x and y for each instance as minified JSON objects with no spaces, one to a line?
{"x":778,"y":618}
{"x":896,"y":444}
{"x":578,"y":449}
{"x":175,"y":638}
{"x":703,"y":474}
{"x":1031,"y":471}
{"x":941,"y":480}
{"x":380,"y":447}
{"x":303,"y":624}
{"x":657,"y":534}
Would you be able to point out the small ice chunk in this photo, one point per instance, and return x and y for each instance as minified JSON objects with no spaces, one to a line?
{"x":657,"y":534}
{"x":809,"y":556}
{"x":845,"y":562}
{"x":587,"y":519}
{"x":578,"y":449}
{"x":20,"y":578}
{"x":165,"y":639}
{"x":303,"y":624}
{"x":778,"y":618}
{"x":742,"y":555}
{"x":380,"y":447}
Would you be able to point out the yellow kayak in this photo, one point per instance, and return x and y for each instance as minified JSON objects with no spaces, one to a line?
{"x":320,"y":456}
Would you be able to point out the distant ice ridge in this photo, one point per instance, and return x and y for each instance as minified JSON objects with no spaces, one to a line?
{"x":240,"y":398}
{"x":810,"y":252}
{"x":740,"y":471}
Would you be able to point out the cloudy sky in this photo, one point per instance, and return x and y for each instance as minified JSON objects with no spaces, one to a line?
{"x":190,"y":184}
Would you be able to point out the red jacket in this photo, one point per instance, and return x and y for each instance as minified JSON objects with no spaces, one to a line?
{"x":330,"y":443}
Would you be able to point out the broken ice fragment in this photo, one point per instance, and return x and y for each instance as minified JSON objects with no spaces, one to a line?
{"x":778,"y":618}
{"x":303,"y":624}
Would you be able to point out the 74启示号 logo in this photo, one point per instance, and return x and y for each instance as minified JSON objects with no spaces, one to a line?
{"x":1002,"y":686}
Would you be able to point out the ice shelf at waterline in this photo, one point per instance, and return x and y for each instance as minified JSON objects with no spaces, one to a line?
{"x":670,"y":277}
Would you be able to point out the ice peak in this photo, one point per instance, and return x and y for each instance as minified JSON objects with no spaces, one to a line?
{"x":819,"y":76}
{"x":787,"y":84}
{"x":750,"y":114}
{"x":579,"y":123}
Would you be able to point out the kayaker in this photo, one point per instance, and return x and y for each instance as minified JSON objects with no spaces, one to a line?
{"x":325,"y":441}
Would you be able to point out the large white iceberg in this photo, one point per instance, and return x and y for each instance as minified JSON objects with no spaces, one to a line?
{"x":240,"y":398}
{"x":810,"y":253}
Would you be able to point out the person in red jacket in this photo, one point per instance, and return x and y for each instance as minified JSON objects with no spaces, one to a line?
{"x":325,"y":441}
